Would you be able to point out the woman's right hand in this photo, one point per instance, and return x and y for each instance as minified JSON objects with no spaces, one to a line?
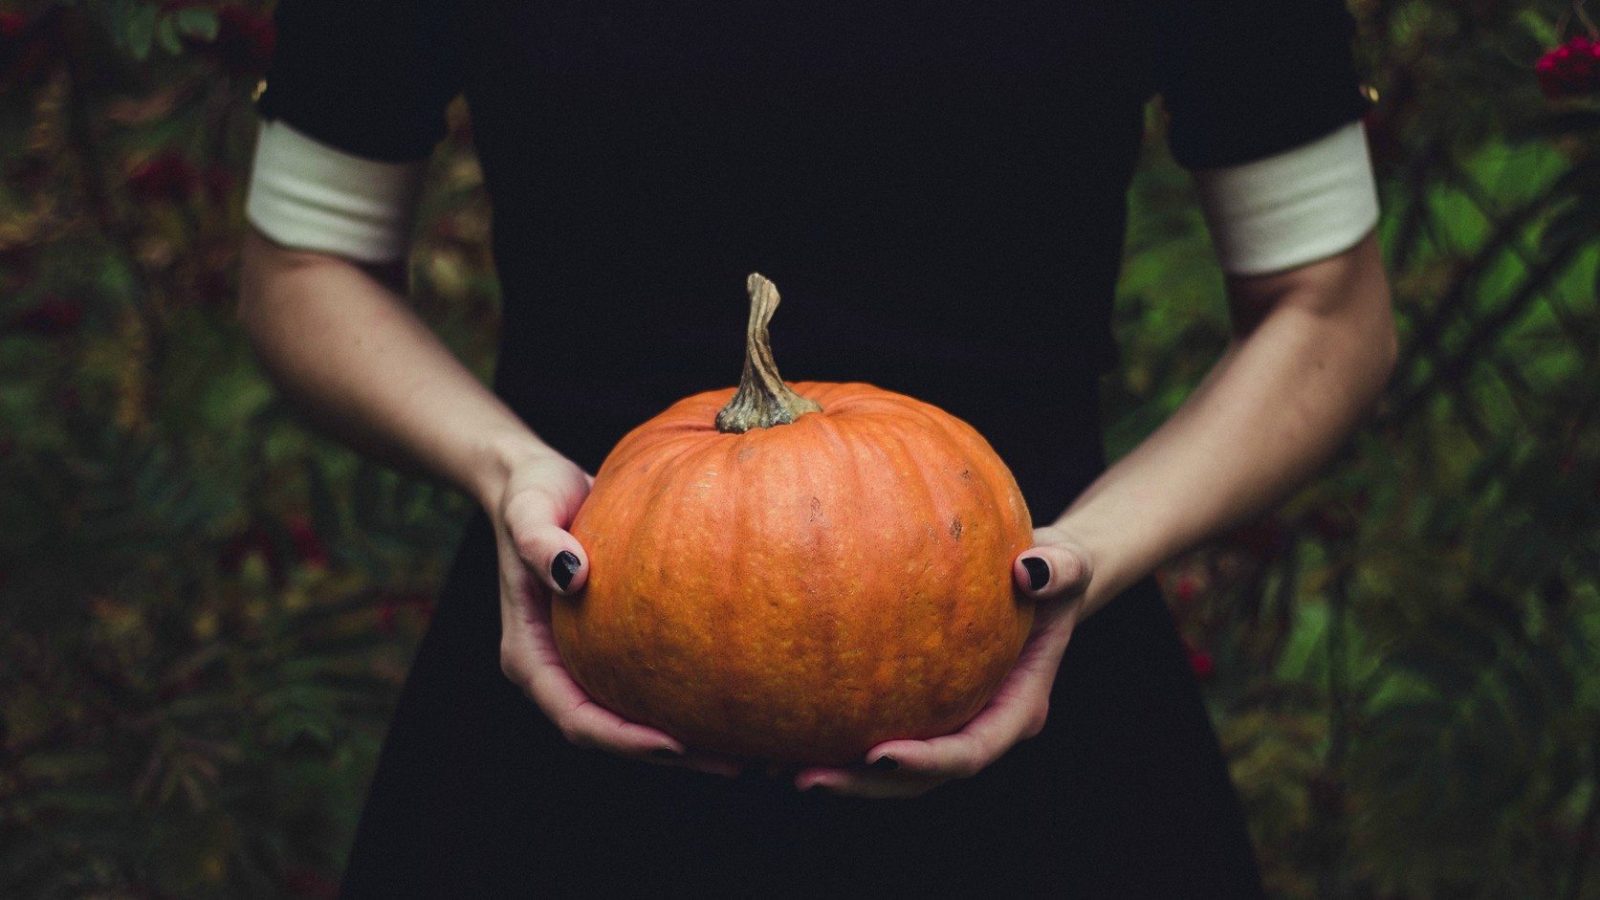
{"x":539,"y":558}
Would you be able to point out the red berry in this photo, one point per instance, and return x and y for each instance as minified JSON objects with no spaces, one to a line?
{"x":308,"y":544}
{"x":1186,"y":589}
{"x":1200,"y":661}
{"x":12,"y":25}
{"x":388,"y":610}
{"x":1570,"y":70}
{"x":167,"y":177}
{"x":53,"y":317}
{"x":244,"y":42}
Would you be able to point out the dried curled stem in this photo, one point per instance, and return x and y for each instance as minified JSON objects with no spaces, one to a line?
{"x":763,"y":400}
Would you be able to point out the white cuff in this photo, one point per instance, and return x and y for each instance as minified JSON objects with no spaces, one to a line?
{"x":1291,"y":208}
{"x":310,"y":196}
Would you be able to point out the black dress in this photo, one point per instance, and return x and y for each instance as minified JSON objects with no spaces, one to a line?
{"x":938,"y":190}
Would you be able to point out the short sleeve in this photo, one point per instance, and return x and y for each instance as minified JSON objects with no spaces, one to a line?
{"x":369,"y":78}
{"x":1293,"y":207}
{"x":1245,"y":79}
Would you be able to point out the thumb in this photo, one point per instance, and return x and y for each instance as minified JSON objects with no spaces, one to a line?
{"x":1051,"y":571}
{"x":553,"y":554}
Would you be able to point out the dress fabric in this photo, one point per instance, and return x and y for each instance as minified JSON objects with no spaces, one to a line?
{"x":938,"y":189}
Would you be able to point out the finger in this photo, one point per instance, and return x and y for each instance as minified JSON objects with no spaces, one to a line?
{"x":872,"y":782}
{"x":959,"y":755}
{"x":580,"y":719}
{"x":552,"y":553}
{"x":909,"y":768}
{"x":1016,"y":713}
{"x":1050,"y":572}
{"x":530,"y":659}
{"x":866,"y":783}
{"x":591,"y":725}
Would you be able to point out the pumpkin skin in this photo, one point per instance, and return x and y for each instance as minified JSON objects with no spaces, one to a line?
{"x":799,"y":593}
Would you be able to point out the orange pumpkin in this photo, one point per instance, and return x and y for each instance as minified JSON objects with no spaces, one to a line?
{"x":796,"y":574}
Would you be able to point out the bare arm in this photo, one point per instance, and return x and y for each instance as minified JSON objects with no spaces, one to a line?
{"x":1312,"y":347}
{"x":353,"y":357}
{"x":343,"y":344}
{"x":1311,"y":350}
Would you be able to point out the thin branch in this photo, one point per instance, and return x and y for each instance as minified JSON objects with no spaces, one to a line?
{"x":1472,"y":350}
{"x":1428,"y":332}
{"x":1478,"y":197}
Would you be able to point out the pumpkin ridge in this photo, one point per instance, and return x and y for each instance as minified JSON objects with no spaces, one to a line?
{"x":927,"y":498}
{"x":917,"y":592}
{"x":960,"y":605}
{"x":974,"y":446}
{"x":855,"y":454}
{"x":689,"y":630}
{"x":842,"y":453}
{"x":749,"y":594}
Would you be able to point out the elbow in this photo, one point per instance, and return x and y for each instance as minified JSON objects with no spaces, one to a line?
{"x":1361,"y":297}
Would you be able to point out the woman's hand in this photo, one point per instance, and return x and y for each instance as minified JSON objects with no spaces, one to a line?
{"x":1054,"y":572}
{"x":539,"y":558}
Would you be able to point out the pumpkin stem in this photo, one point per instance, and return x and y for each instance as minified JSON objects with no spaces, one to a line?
{"x":763,"y":400}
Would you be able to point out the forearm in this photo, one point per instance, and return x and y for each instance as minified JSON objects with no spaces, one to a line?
{"x":363,"y":367}
{"x":1309,"y":356}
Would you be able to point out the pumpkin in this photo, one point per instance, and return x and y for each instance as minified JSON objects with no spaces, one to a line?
{"x":797,"y":573}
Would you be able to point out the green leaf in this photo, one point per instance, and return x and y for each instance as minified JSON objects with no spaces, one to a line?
{"x":1596,"y":281}
{"x":197,"y":21}
{"x":167,"y":35}
{"x":141,"y":30}
{"x":1542,"y":29}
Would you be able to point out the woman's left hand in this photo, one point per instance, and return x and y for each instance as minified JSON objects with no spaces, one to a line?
{"x":907,"y":768}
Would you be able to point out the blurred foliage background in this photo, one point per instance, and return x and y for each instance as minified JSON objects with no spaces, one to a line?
{"x":206,"y":610}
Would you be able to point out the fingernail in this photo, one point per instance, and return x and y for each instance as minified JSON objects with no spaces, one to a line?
{"x":665,"y":753}
{"x":1038,"y":572}
{"x":565,"y":566}
{"x":884,"y":764}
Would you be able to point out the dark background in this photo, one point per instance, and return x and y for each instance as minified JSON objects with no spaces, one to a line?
{"x":206,"y":610}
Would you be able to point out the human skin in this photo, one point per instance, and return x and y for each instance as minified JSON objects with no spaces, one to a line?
{"x":1310,"y":351}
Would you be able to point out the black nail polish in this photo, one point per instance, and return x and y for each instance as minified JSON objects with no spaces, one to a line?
{"x":565,"y":566}
{"x":665,"y":753}
{"x":1038,"y":571}
{"x":884,"y":764}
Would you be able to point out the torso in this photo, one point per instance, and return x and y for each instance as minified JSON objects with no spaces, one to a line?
{"x":937,"y":189}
